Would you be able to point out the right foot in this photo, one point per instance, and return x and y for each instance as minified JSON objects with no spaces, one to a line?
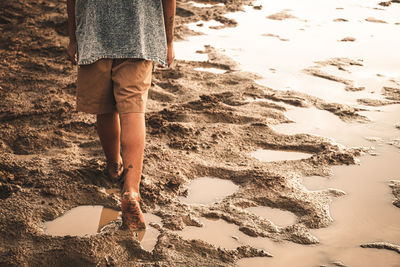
{"x":132,"y":216}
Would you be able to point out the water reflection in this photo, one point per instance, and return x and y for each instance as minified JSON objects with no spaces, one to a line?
{"x":277,"y":216}
{"x":81,"y":221}
{"x":266,"y":155}
{"x":208,"y":190}
{"x":90,"y":220}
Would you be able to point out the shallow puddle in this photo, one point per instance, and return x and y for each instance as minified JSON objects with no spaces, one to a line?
{"x":218,"y":233}
{"x":148,"y":238}
{"x":315,"y":183}
{"x":323,"y":123}
{"x":364,"y":215}
{"x":81,"y":221}
{"x":90,"y":220}
{"x":306,"y":256}
{"x":369,"y":197}
{"x":279,"y":217}
{"x":207,"y":190}
{"x":266,"y":155}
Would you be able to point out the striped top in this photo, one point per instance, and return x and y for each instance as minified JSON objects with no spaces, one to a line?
{"x":120,"y":29}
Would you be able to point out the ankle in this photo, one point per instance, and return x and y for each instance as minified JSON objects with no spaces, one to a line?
{"x":130,"y":185}
{"x":131,"y":189}
{"x":113,"y":160}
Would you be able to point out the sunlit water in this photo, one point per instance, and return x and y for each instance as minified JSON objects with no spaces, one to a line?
{"x":212,"y":70}
{"x":266,"y":155}
{"x":276,"y":216}
{"x":365,"y":213}
{"x":208,"y":190}
{"x":323,"y":123}
{"x":81,"y":221}
{"x":89,"y":220}
{"x":313,"y":36}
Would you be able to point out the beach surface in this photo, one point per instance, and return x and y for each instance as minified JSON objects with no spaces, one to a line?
{"x":273,"y":140}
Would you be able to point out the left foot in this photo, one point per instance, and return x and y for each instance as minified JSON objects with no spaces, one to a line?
{"x":114,"y":170}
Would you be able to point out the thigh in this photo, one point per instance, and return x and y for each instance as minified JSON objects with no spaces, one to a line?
{"x":132,"y":80}
{"x":94,"y":87}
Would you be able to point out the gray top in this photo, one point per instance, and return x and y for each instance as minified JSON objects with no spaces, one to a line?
{"x":120,"y":29}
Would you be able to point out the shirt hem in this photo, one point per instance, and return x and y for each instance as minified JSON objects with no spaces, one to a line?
{"x":95,"y":58}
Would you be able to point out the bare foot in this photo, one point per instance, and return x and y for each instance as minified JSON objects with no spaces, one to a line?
{"x":132,"y":216}
{"x":114,"y":170}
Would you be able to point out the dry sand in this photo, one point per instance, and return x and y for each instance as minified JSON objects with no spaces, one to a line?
{"x":198,"y":123}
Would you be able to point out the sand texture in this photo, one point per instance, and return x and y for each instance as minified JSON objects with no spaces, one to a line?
{"x":199,"y":124}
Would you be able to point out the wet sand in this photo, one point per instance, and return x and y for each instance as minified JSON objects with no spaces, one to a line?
{"x":298,"y":128}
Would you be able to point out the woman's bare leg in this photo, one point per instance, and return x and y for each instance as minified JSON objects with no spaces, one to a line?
{"x":133,"y":134}
{"x":108,"y":129}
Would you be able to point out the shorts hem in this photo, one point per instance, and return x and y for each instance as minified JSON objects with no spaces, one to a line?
{"x":95,"y":110}
{"x":131,"y":108}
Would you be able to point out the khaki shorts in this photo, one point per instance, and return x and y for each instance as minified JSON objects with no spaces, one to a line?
{"x":110,"y":85}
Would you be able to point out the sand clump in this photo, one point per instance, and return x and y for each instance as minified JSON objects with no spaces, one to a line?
{"x":276,"y":36}
{"x":382,"y":245}
{"x":282,"y":15}
{"x":388,"y":3}
{"x":375,"y":20}
{"x":391,"y":93}
{"x":348,"y":39}
{"x":395,"y":185}
{"x":340,"y":20}
{"x":395,"y":142}
{"x":375,"y":102}
{"x":341,"y":64}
